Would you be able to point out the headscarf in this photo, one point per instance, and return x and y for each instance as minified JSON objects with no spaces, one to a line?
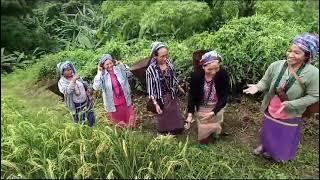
{"x":104,"y":58}
{"x":155,"y":46}
{"x":210,"y":57}
{"x":308,"y":43}
{"x":64,"y":65}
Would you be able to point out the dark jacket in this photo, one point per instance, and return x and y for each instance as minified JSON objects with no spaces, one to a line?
{"x":196,"y":91}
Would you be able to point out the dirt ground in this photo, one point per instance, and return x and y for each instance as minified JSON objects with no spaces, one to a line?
{"x":242,"y":121}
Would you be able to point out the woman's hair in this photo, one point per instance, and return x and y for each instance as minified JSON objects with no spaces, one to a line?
{"x":155,"y":52}
{"x":307,"y":56}
{"x":112,"y":60}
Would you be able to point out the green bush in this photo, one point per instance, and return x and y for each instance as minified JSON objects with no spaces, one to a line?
{"x":138,"y":50}
{"x":82,"y":59}
{"x":200,"y":41}
{"x":118,"y":49}
{"x":108,"y":6}
{"x":248,"y":45}
{"x":123,"y":22}
{"x":303,"y":13}
{"x":14,"y":8}
{"x":10,"y":62}
{"x":16,"y":36}
{"x":174,"y":19}
{"x":182,"y":57}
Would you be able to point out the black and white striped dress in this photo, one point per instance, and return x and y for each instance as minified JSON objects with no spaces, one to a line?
{"x":171,"y":120}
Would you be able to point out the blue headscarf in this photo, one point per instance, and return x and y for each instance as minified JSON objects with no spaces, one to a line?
{"x":64,"y":65}
{"x":104,"y":58}
{"x":210,"y":57}
{"x":64,"y":83}
{"x":308,"y":43}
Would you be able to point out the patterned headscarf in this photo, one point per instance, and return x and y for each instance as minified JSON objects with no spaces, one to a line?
{"x":308,"y":43}
{"x":104,"y":58}
{"x":156,"y":46}
{"x":210,"y":57}
{"x":64,"y":65}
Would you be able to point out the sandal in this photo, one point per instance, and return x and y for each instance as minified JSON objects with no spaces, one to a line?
{"x":215,"y":137}
{"x":266,"y":155}
{"x":257,"y":151}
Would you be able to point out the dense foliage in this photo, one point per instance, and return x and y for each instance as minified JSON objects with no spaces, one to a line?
{"x":39,"y":140}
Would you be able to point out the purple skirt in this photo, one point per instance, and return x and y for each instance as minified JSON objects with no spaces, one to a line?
{"x":171,"y":120}
{"x":280,"y":138}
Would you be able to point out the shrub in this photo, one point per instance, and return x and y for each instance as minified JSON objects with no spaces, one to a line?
{"x":82,"y":59}
{"x":182,"y":57}
{"x":119,"y":50}
{"x":79,"y":30}
{"x":123,"y":22}
{"x":248,"y":45}
{"x":14,"y":7}
{"x":10,"y":62}
{"x":304,"y":13}
{"x":16,"y":36}
{"x":174,"y":19}
{"x":200,"y":41}
{"x":138,"y":50}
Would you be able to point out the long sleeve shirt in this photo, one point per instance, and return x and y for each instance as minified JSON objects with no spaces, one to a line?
{"x":299,"y":98}
{"x":196,"y":91}
{"x":102,"y":81}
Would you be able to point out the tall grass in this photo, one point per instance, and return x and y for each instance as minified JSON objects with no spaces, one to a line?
{"x":41,"y":145}
{"x":46,"y":144}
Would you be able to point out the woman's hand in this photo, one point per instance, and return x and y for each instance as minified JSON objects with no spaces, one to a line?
{"x":252,"y":89}
{"x":207,"y":115}
{"x":181,"y":90}
{"x":189,"y":121}
{"x":159,"y":110}
{"x":281,"y":108}
{"x":75,"y":78}
{"x":189,"y":118}
{"x":99,"y":69}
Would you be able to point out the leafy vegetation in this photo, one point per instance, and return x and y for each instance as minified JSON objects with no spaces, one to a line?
{"x":174,"y":19}
{"x":39,"y":140}
{"x":252,"y":42}
{"x":302,"y":13}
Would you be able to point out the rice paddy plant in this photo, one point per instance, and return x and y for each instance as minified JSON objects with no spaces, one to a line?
{"x":38,"y":144}
{"x":43,"y":142}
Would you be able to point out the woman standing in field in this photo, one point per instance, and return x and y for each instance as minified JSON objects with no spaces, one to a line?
{"x":76,"y":93}
{"x":208,"y":94}
{"x":291,"y":86}
{"x":113,"y":81}
{"x":162,"y":84}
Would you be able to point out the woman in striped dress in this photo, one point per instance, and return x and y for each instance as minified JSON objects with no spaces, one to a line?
{"x":162,"y":84}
